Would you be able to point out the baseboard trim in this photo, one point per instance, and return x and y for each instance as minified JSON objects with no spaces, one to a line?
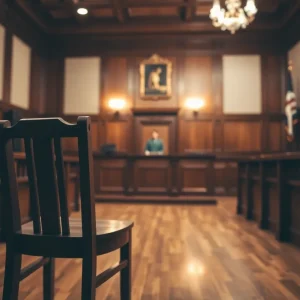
{"x":156,"y":199}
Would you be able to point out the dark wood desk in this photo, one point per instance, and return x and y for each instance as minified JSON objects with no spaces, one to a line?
{"x":168,"y":178}
{"x":269,"y":193}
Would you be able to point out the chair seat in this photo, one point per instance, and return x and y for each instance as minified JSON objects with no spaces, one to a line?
{"x":110,"y":235}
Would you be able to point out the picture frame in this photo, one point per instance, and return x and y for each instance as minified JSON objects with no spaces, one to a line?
{"x":155,"y":78}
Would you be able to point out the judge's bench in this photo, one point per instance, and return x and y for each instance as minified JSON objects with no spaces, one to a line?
{"x":193,"y":177}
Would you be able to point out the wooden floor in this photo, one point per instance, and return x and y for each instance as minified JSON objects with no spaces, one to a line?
{"x":186,"y":252}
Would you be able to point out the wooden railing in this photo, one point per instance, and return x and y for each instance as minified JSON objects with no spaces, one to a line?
{"x":269,"y":192}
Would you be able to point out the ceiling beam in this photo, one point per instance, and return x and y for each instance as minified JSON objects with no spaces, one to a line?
{"x":153,"y":27}
{"x":120,"y":11}
{"x":153,"y":3}
{"x":190,"y":10}
{"x":55,"y":4}
{"x":291,"y":11}
{"x":268,"y":6}
{"x":34,"y":13}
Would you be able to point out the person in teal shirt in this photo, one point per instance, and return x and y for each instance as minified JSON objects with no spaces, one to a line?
{"x":154,"y":145}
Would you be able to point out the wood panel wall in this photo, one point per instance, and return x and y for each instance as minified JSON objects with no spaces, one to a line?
{"x":210,"y":129}
{"x":16,"y":23}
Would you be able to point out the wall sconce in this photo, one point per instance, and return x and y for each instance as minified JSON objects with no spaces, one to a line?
{"x":194,"y":104}
{"x":116,"y":104}
{"x":82,"y":11}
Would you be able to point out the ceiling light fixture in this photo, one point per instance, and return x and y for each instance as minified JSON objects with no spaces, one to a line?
{"x":82,"y":11}
{"x":234,"y":16}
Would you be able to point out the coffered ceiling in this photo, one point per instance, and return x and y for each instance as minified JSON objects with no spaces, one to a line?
{"x":144,"y":16}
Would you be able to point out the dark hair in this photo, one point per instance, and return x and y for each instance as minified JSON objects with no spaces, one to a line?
{"x":154,"y":130}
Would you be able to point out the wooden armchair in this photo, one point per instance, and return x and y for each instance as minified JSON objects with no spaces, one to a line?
{"x":52,"y":234}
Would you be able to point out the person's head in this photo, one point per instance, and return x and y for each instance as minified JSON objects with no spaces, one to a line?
{"x":155,"y":134}
{"x":158,"y":70}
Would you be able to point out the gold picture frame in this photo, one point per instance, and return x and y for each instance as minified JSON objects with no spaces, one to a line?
{"x":155,"y":78}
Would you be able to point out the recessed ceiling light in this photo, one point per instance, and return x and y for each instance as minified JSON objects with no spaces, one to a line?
{"x":82,"y":11}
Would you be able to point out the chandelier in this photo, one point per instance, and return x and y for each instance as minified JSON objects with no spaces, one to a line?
{"x":234,"y":16}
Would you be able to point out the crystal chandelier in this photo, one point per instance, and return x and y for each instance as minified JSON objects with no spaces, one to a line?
{"x":234,"y":16}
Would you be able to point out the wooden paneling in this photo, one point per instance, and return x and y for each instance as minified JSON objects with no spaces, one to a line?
{"x":103,"y":12}
{"x":193,"y":75}
{"x":114,"y":81}
{"x":95,"y":136}
{"x":242,"y":136}
{"x":217,"y":83}
{"x":55,"y":75}
{"x":194,"y":177}
{"x":119,"y":133}
{"x":152,"y":176}
{"x":210,"y":129}
{"x":38,"y":86}
{"x":197,"y":80}
{"x":70,"y":144}
{"x":169,"y":177}
{"x":109,"y":175}
{"x":195,"y":135}
{"x":197,"y":71}
{"x":7,"y":66}
{"x":19,"y":25}
{"x":220,"y":178}
{"x":272,"y":84}
{"x":151,"y":11}
{"x":225,"y":173}
{"x":274,"y":136}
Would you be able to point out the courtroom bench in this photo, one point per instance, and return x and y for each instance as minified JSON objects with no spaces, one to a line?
{"x":269,"y":191}
{"x":71,"y":179}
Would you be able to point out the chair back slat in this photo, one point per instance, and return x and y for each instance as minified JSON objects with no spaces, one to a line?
{"x":33,"y":189}
{"x":47,"y":185}
{"x":9,"y":187}
{"x":61,"y":187}
{"x":86,"y":182}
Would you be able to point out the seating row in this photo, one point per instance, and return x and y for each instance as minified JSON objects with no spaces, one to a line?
{"x":269,"y":193}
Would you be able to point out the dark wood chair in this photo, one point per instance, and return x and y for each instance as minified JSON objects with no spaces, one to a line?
{"x":52,"y":234}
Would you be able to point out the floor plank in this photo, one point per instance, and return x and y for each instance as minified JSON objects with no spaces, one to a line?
{"x":185,"y":252}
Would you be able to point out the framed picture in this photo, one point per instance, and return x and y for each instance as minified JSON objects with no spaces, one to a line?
{"x":155,"y":78}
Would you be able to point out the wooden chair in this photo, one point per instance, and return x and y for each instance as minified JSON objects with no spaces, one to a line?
{"x":51,"y":234}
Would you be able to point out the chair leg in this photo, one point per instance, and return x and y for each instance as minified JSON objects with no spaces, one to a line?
{"x":125,"y":284}
{"x":88,"y":289}
{"x":12,"y":275}
{"x":48,"y":279}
